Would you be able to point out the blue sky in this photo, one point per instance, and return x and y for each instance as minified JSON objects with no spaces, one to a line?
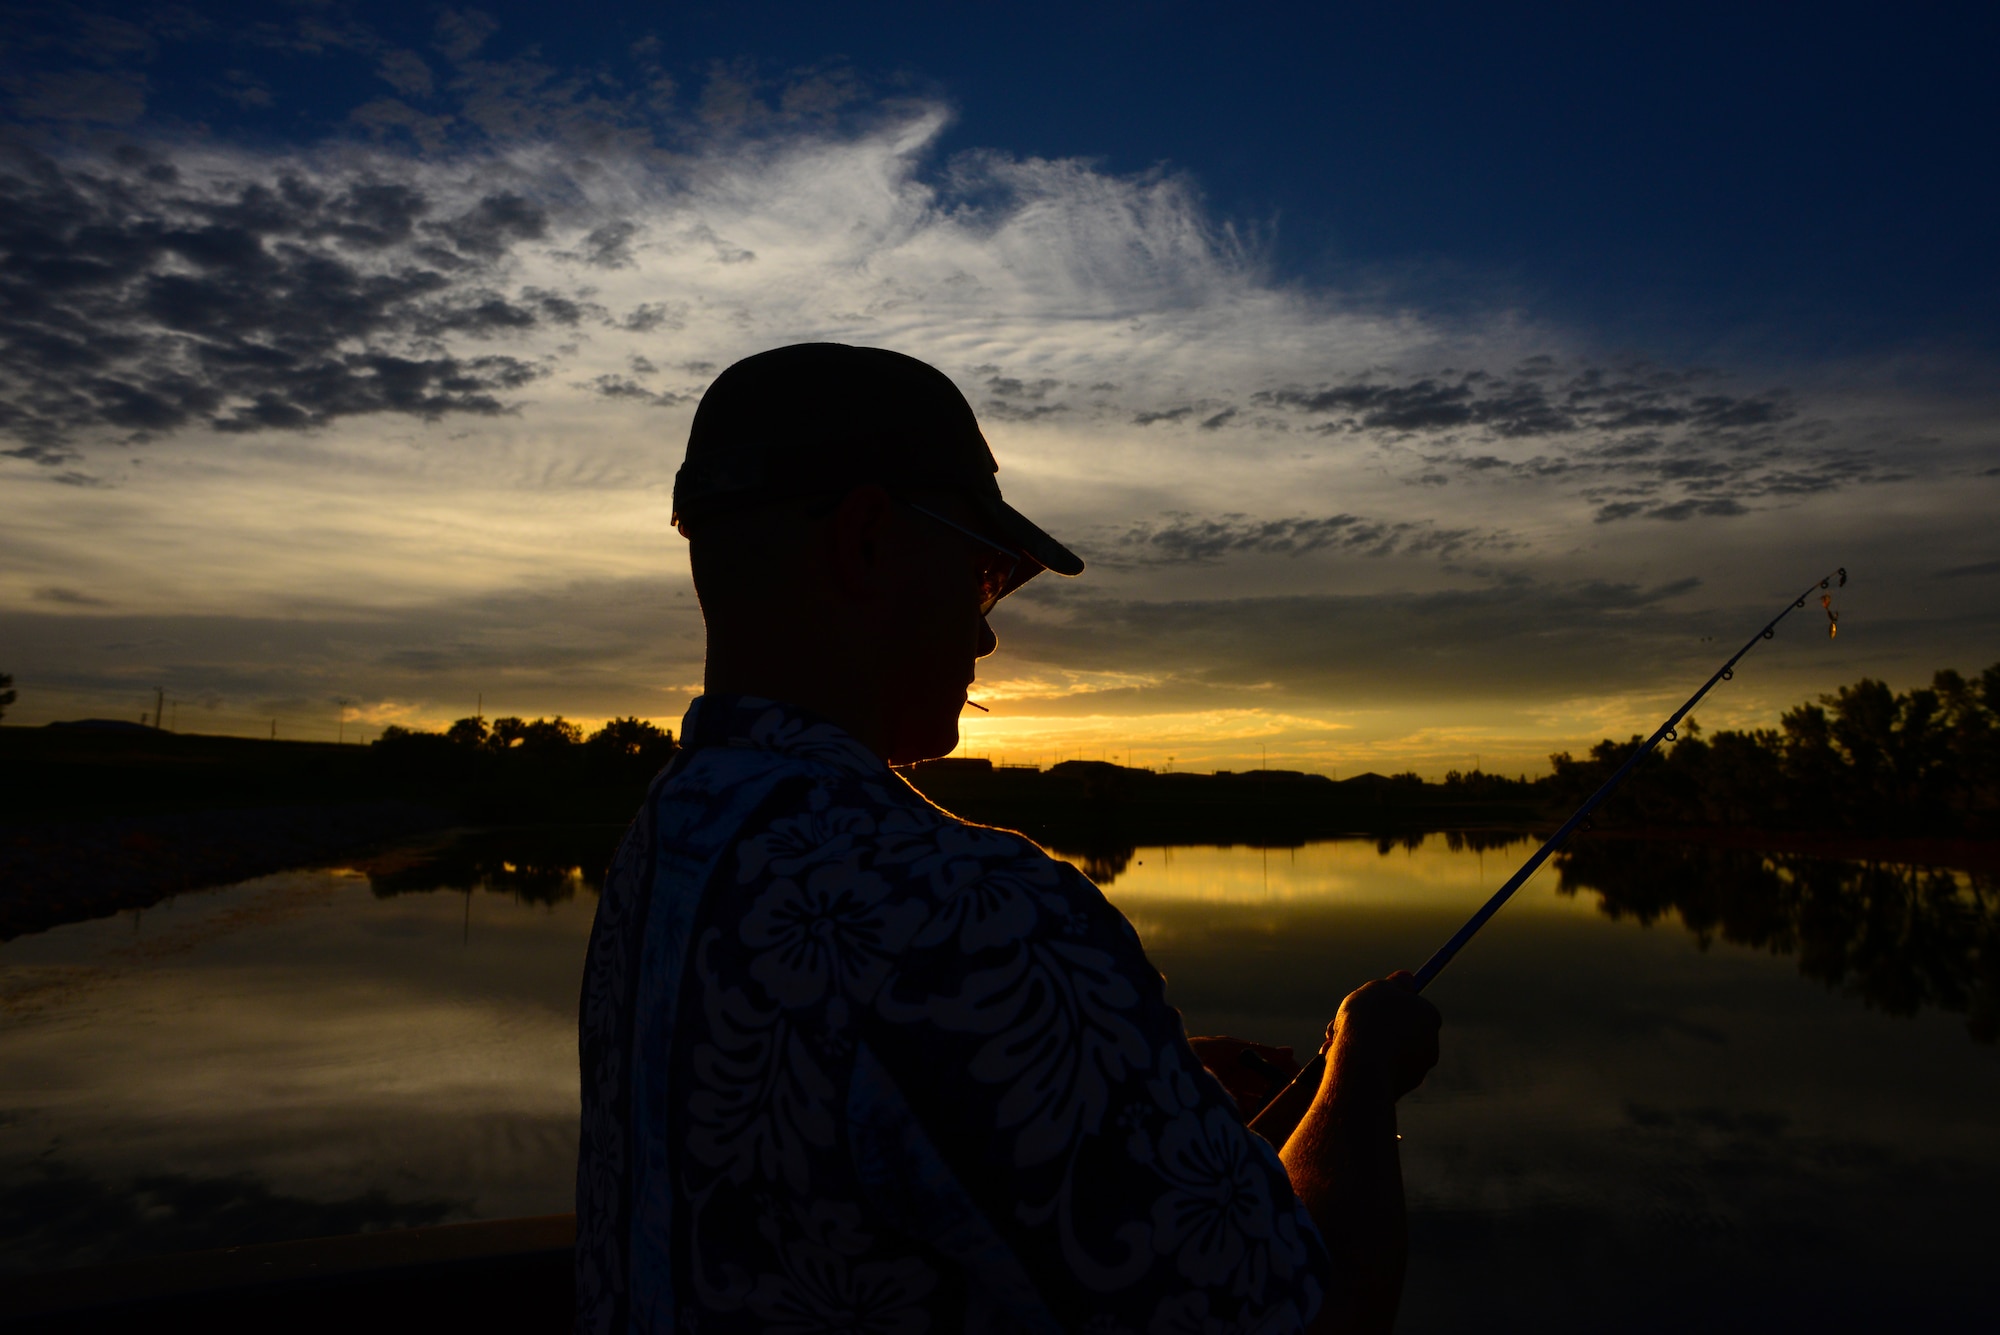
{"x":1806,"y":183}
{"x":1422,"y":383}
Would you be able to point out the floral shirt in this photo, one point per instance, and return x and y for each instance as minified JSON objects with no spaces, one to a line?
{"x":850,"y":1062}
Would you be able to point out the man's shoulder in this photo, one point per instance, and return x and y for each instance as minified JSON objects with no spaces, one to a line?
{"x":783,"y":826}
{"x":883,"y":823}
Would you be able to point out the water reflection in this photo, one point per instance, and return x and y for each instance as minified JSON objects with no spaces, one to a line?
{"x":1901,"y":938}
{"x":1626,"y":1132}
{"x":1106,"y":862}
{"x":286,"y":1057}
{"x":549,"y":865}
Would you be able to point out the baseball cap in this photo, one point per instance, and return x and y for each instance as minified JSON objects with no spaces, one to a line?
{"x":814,"y":418}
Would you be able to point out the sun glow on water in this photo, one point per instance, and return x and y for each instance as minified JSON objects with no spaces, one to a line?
{"x":1347,"y":873}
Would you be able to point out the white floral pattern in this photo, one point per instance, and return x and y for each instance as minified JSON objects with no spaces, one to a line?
{"x":836,"y":929}
{"x":835,"y":910}
{"x":1220,"y":1205}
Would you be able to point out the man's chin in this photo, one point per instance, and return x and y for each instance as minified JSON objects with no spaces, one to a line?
{"x":928,"y":744}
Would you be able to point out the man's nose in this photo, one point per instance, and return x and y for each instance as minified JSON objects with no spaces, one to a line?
{"x":988,"y":641}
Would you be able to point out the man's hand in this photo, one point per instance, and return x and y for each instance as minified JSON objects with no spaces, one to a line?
{"x":1385,"y":1033}
{"x":1342,"y":1157}
{"x":1251,"y":1079}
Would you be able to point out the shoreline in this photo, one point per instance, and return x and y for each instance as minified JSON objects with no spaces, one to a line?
{"x":56,"y":873}
{"x":59,"y":872}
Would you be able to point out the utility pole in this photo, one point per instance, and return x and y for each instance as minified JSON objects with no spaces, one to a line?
{"x":159,"y":706}
{"x":340,"y":733}
{"x":274,"y":730}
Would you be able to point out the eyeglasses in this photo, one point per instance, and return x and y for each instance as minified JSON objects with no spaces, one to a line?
{"x":997,"y":564}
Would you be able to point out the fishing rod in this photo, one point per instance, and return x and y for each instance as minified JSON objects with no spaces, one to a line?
{"x":1434,"y":966}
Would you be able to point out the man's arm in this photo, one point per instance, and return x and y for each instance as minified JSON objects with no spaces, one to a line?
{"x":1338,"y":1145}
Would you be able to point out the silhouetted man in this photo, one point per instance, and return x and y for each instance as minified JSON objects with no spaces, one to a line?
{"x":851,"y":1062}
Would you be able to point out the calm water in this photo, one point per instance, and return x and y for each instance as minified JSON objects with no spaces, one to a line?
{"x":1634,"y":1126}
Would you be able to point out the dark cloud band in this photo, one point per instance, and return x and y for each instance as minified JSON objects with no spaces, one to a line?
{"x":133,"y":302}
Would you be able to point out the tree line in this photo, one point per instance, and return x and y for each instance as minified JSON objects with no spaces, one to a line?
{"x":1865,"y":760}
{"x":526,"y":771}
{"x":620,"y":740}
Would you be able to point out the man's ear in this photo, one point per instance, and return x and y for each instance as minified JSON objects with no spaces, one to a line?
{"x":863,"y":536}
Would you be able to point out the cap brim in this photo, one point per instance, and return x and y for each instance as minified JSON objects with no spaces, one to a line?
{"x":1028,"y":538}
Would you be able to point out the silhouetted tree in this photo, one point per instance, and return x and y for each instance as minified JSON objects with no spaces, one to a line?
{"x":467,"y":732}
{"x":1479,"y":786}
{"x":7,"y":695}
{"x":630,"y":746}
{"x":547,"y":734}
{"x":521,"y":772}
{"x":507,"y":732}
{"x":1863,"y":759}
{"x":630,"y":737}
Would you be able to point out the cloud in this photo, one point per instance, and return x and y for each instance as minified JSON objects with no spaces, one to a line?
{"x":406,"y":72}
{"x":1526,"y":404}
{"x":1188,"y":538}
{"x":138,"y":300}
{"x":609,"y":245}
{"x":461,"y":32}
{"x":650,"y":316}
{"x":578,"y":648}
{"x":487,"y":229}
{"x":622,"y":387}
{"x":1514,"y":639}
{"x":1637,"y":441}
{"x":243,"y":294}
{"x":1723,"y":508}
{"x":1688,"y":509}
{"x":53,"y":593}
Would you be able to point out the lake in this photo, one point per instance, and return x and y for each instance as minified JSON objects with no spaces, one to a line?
{"x":1762,"y":1096}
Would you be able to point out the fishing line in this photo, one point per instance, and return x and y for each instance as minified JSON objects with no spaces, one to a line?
{"x":1665,"y":732}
